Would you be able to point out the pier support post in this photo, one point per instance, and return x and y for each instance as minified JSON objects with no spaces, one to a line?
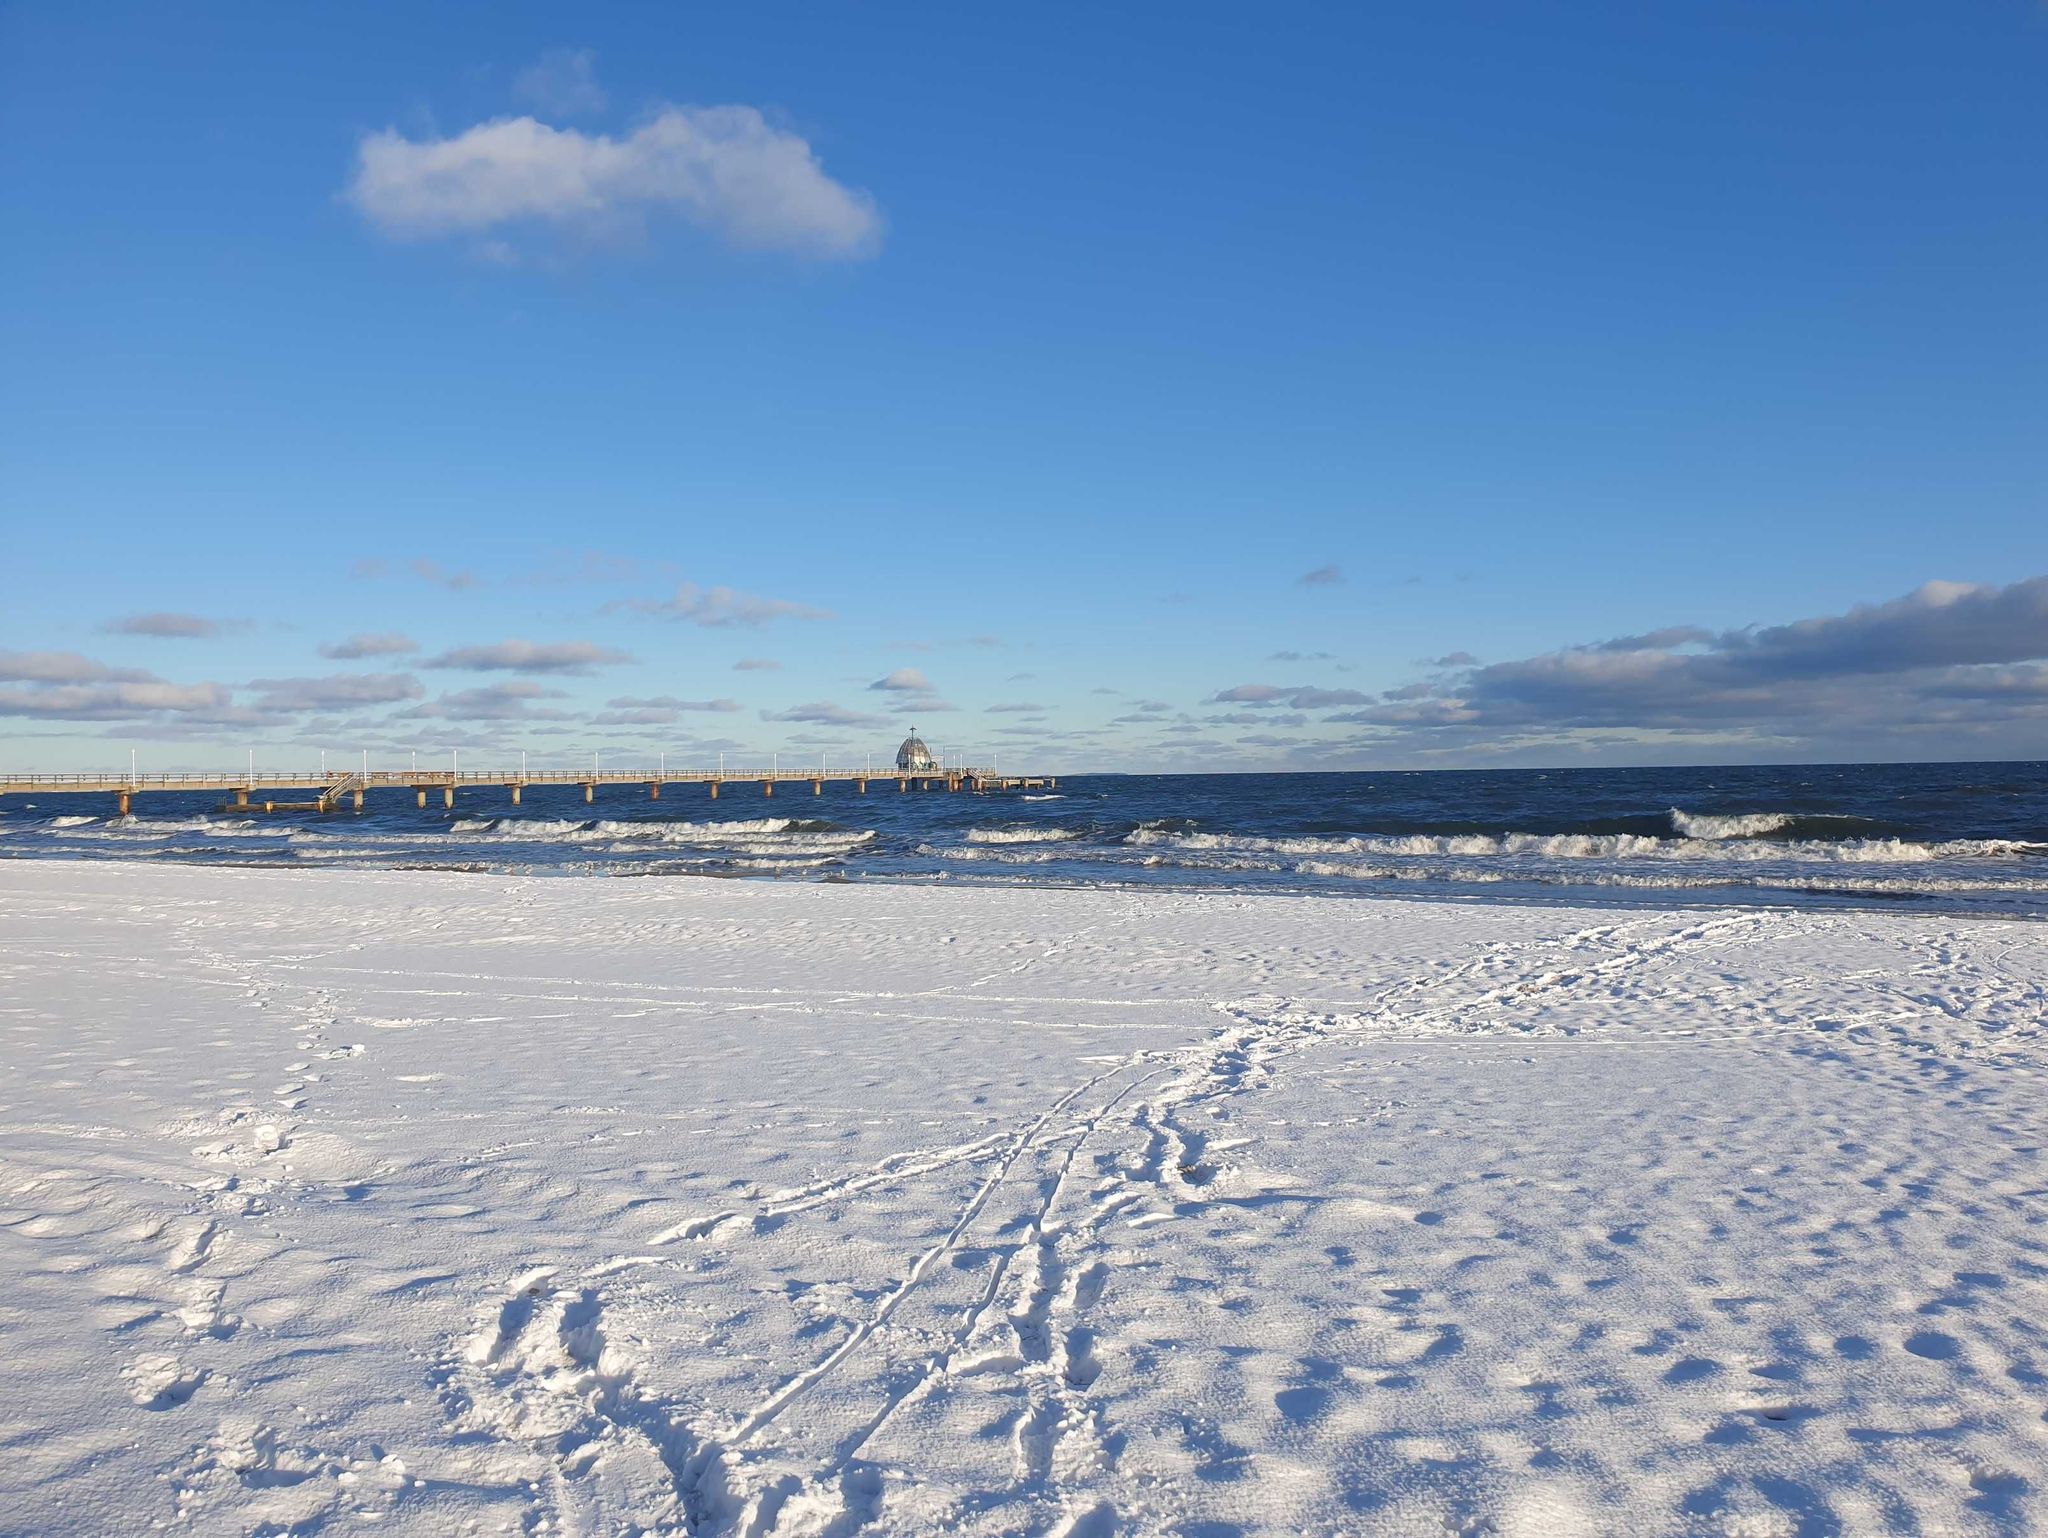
{"x":515,"y":794}
{"x":654,"y":790}
{"x":448,"y":796}
{"x":589,"y":792}
{"x":714,"y":790}
{"x":902,"y":786}
{"x":122,"y":797}
{"x":817,"y":787}
{"x":421,"y":792}
{"x":863,"y":787}
{"x":359,"y":798}
{"x":767,"y":787}
{"x":242,"y":797}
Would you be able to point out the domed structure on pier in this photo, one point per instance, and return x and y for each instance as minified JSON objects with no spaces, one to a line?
{"x":914,"y":756}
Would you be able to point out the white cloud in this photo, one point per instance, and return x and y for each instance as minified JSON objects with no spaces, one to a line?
{"x":382,"y":644}
{"x":757,"y":665}
{"x":510,"y":701}
{"x":562,"y":81}
{"x":904,"y":681}
{"x":529,"y":657}
{"x":724,"y":169}
{"x":337,"y":691}
{"x":670,"y":703}
{"x":106,"y":701}
{"x":1296,"y":696}
{"x":184,"y":627}
{"x":824,"y":713}
{"x":720,"y":608}
{"x":65,"y":668}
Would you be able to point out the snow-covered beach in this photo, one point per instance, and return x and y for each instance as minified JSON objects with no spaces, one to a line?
{"x":474,"y":1203}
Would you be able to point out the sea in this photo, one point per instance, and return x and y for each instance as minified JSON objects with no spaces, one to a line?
{"x":1938,"y":837}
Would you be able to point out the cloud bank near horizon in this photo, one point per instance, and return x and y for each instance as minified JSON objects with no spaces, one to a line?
{"x":1948,"y":670}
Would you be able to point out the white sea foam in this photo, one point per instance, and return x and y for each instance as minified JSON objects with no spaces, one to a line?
{"x":1787,"y":879}
{"x":154,"y":829}
{"x":1023,"y":835}
{"x":1600,"y":846}
{"x":1740,"y":825}
{"x":997,"y":856}
{"x":777,"y":832}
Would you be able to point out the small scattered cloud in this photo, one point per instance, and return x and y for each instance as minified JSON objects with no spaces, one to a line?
{"x":725,"y":169}
{"x":1667,"y":639}
{"x":112,"y":701}
{"x":904,"y":681}
{"x":1248,"y":694}
{"x":1020,"y":708}
{"x":65,"y":668}
{"x":380,"y":644}
{"x":561,"y":82}
{"x":370,"y":568}
{"x":512,"y":700}
{"x":1452,"y":660}
{"x":1302,"y":657}
{"x":336,"y":691}
{"x":1322,"y":576}
{"x":670,"y":703}
{"x":825,"y":713}
{"x":721,"y":608}
{"x":757,"y":665}
{"x":1295,"y":696}
{"x":435,"y":572}
{"x":168,"y":626}
{"x":530,"y":657}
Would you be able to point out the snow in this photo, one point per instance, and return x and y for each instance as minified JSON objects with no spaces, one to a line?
{"x":487,"y":1204}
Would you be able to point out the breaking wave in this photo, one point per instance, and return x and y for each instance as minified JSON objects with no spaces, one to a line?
{"x":1023,"y":835}
{"x":1598,"y":846}
{"x":995,"y":856}
{"x":779,"y":832}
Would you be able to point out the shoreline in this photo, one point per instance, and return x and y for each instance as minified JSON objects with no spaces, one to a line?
{"x":1590,"y":895}
{"x":465,"y":1201}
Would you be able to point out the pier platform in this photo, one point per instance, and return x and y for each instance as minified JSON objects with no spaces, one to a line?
{"x":333,"y":792}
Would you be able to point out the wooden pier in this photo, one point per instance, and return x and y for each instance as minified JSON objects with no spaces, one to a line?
{"x":330,"y":792}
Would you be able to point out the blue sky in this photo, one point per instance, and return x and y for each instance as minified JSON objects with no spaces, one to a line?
{"x":1035,"y":357}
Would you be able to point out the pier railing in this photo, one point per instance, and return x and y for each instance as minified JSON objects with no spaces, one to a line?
{"x":330,"y":787}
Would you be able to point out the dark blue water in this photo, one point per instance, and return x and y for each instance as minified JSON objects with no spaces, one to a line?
{"x":1934,"y":836}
